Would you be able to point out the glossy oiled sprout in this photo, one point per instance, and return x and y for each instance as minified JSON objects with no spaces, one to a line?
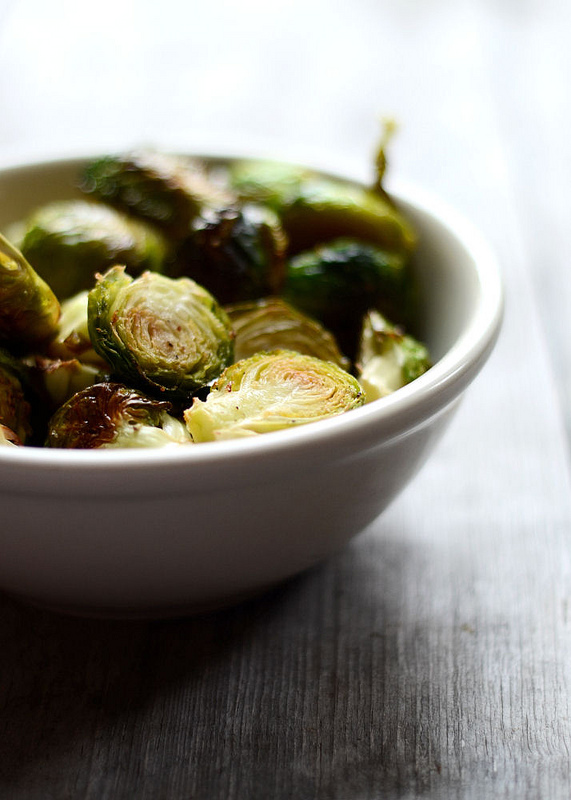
{"x":110,"y":415}
{"x":338,"y":282}
{"x":273,"y":324}
{"x":164,"y":335}
{"x":388,"y":358}
{"x":29,"y":310}
{"x":271,"y":391}
{"x":68,"y":242}
{"x":315,"y":209}
{"x":167,"y":190}
{"x":235,"y":253}
{"x":14,"y":407}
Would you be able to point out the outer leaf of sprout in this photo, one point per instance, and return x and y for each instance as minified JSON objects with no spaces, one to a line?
{"x":269,"y":392}
{"x":165,"y":335}
{"x":67,"y":242}
{"x":273,"y":324}
{"x":388,"y":358}
{"x":29,"y":310}
{"x":315,"y":209}
{"x":109,"y":415}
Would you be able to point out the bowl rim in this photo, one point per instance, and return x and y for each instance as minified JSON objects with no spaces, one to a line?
{"x":390,"y":416}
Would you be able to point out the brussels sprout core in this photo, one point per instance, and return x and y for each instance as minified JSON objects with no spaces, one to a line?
{"x":271,"y":391}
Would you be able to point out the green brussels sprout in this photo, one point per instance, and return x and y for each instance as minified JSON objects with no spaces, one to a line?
{"x":388,"y":358}
{"x":162,"y":334}
{"x":316,"y":209}
{"x":164,"y":189}
{"x":29,"y":310}
{"x":72,"y":340}
{"x":15,"y":411}
{"x":110,"y":415}
{"x":273,"y":324}
{"x":337,"y":283}
{"x":235,"y":253}
{"x":271,"y":391}
{"x":68,"y":242}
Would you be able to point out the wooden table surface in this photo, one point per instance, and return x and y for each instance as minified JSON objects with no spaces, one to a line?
{"x":431,"y":658}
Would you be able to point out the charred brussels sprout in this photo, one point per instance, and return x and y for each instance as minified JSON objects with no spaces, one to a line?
{"x":112,"y":415}
{"x":235,"y":253}
{"x":269,"y":392}
{"x":69,"y":241}
{"x":388,"y":358}
{"x":165,"y":335}
{"x":29,"y":310}
{"x":15,"y":411}
{"x":164,"y":189}
{"x":273,"y":324}
{"x":315,"y":209}
{"x":339,"y":282}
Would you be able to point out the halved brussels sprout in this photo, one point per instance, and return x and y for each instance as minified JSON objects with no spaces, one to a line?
{"x":164,"y":189}
{"x":15,"y":411}
{"x":67,"y":242}
{"x":109,"y":415}
{"x":235,"y":253}
{"x":315,"y":209}
{"x":388,"y":358}
{"x":269,"y":392}
{"x":337,"y":283}
{"x":273,"y":324}
{"x":163,"y":334}
{"x":29,"y":310}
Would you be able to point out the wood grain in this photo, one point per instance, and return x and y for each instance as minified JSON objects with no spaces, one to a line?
{"x":431,"y":658}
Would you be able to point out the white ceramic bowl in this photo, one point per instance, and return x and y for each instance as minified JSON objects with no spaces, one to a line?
{"x":167,"y":532}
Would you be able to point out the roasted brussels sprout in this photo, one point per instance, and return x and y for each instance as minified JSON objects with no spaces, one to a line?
{"x":15,"y":411}
{"x":112,"y":415}
{"x":29,"y":310}
{"x":388,"y":358}
{"x":337,"y":283}
{"x":273,"y":324}
{"x":235,"y":253}
{"x":164,"y":189}
{"x":271,"y":391}
{"x":68,"y":242}
{"x":315,"y":210}
{"x":164,"y":335}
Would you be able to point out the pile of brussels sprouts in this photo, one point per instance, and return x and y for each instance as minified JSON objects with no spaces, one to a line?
{"x":179,"y":300}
